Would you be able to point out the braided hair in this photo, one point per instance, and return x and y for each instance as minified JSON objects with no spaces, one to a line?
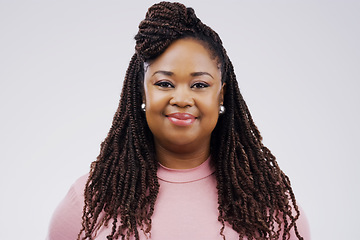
{"x":254,"y":196}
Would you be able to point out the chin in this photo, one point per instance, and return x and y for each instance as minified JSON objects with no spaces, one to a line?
{"x":182,"y":148}
{"x":181,"y":142}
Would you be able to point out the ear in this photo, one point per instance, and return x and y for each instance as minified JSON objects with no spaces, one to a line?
{"x":142,"y":90}
{"x":142,"y":81}
{"x":222,"y":93}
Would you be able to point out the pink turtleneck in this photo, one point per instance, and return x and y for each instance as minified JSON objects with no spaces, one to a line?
{"x":186,"y":208}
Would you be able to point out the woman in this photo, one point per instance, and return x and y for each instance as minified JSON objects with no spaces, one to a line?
{"x":183,"y":158}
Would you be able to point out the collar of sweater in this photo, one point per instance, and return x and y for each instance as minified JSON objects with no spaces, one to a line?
{"x":185,"y":175}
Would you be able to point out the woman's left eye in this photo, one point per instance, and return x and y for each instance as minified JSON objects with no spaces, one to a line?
{"x":200,"y":85}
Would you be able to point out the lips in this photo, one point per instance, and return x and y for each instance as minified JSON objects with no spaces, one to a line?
{"x":181,"y":119}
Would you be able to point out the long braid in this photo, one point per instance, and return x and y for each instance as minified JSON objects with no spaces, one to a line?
{"x":122,"y":180}
{"x":262,"y":191}
{"x":254,"y":195}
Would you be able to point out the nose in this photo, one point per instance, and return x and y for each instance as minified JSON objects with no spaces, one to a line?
{"x":182,"y":97}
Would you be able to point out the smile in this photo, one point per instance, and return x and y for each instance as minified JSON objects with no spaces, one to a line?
{"x":181,"y":119}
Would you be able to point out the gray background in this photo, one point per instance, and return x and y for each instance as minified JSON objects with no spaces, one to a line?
{"x":61,"y":70}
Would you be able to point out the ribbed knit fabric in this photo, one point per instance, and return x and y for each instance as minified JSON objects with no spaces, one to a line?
{"x":186,"y":209}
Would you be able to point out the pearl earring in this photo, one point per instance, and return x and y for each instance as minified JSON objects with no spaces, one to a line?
{"x":222,"y":109}
{"x":143,"y":107}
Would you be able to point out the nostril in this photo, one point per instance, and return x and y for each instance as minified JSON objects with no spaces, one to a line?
{"x":182,"y":101}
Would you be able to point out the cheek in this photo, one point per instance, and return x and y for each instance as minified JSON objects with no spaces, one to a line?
{"x":210,"y":113}
{"x":211,"y":103}
{"x":155,"y":101}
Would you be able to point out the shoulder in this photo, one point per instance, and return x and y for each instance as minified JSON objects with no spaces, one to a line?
{"x":79,"y":185}
{"x":75,"y":195}
{"x":67,"y":217}
{"x":302,"y":225}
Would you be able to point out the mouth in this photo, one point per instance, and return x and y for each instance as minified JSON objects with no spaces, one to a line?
{"x":181,"y":119}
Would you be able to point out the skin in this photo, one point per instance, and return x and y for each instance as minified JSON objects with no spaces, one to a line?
{"x":185,"y":79}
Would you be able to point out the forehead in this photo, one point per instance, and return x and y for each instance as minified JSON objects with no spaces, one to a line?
{"x":185,"y":53}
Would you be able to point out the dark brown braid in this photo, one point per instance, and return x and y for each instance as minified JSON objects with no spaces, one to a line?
{"x":254,"y":195}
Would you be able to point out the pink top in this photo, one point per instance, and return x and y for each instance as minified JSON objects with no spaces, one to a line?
{"x":186,"y":208}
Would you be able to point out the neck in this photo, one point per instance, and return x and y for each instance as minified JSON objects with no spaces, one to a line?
{"x":181,"y":159}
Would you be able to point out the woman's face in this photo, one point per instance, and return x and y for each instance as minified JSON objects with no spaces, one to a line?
{"x":183,"y":92}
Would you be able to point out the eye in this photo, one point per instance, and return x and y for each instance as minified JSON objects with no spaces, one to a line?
{"x":164,"y":84}
{"x":200,"y":85}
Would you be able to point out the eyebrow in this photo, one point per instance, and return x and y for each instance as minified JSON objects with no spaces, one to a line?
{"x":194,"y":74}
{"x":167,"y":73}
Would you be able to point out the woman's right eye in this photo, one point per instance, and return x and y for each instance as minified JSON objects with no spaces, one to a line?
{"x":164,"y":84}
